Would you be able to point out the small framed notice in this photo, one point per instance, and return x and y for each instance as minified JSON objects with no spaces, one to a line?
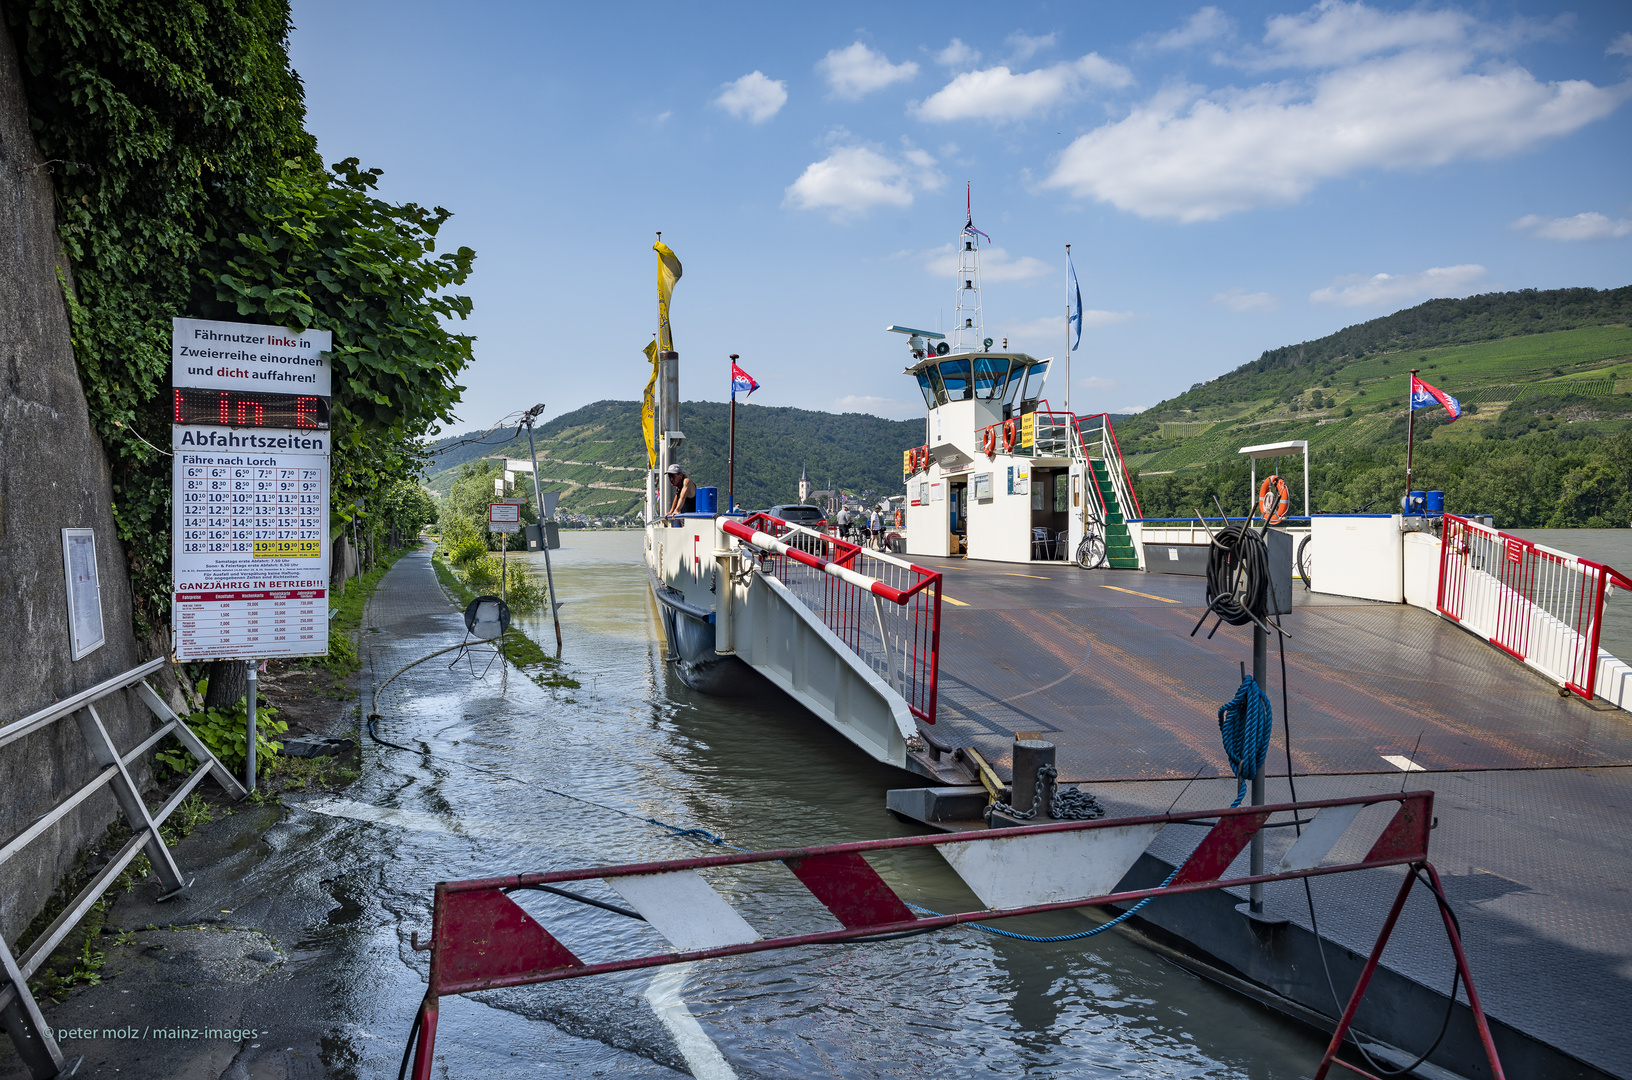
{"x":85,"y":634}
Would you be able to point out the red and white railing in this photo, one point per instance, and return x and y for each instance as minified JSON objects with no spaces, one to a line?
{"x":1542,"y":606}
{"x":482,"y":939}
{"x":884,"y":609}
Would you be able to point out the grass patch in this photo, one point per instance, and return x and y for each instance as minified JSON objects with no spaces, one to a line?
{"x":515,"y":646}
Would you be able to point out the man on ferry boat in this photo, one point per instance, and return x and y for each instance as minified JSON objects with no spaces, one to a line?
{"x":685,"y":492}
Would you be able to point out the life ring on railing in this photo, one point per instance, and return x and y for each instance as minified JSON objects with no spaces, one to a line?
{"x":988,"y":441}
{"x":1008,"y":436}
{"x":1272,"y":488}
{"x":900,"y":519}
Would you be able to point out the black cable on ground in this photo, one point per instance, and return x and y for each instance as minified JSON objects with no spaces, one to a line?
{"x":407,"y":1051}
{"x":1309,"y":896}
{"x":590,"y":900}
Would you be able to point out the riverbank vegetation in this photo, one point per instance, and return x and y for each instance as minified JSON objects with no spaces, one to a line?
{"x":188,"y":185}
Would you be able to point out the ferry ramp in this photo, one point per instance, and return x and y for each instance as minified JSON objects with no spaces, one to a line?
{"x":1534,"y":790}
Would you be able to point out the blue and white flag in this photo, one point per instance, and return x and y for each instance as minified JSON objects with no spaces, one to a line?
{"x":1073,"y":299}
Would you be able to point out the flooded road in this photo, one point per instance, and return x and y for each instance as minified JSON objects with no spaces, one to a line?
{"x":505,"y":782}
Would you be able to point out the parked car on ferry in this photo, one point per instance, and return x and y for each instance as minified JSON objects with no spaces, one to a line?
{"x":811,"y":517}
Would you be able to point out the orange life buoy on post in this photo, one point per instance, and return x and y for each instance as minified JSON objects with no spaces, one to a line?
{"x":1269,"y":491}
{"x":988,"y":441}
{"x":900,"y":519}
{"x":1008,"y":436}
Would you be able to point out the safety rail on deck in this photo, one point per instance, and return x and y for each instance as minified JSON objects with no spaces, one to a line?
{"x":1097,"y":429}
{"x":846,"y":586}
{"x":1542,"y":606}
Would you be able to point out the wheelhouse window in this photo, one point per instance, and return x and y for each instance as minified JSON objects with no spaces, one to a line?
{"x":1034,"y":381}
{"x":928,"y":389}
{"x":955,"y":376}
{"x":991,"y":373}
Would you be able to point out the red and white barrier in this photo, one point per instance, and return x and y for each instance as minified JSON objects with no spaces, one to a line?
{"x":481,"y":939}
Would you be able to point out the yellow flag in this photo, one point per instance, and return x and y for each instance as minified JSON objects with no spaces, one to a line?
{"x":668,"y":272}
{"x":648,"y":409}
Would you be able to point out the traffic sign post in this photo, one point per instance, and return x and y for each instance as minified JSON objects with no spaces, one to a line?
{"x":504,"y":517}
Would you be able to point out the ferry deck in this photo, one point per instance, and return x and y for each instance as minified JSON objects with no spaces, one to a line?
{"x":1534,"y":790}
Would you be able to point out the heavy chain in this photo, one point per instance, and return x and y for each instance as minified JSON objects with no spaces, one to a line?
{"x":1072,"y":805}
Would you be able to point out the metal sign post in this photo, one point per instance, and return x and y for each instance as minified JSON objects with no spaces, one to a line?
{"x":504,"y":517}
{"x":543,"y":528}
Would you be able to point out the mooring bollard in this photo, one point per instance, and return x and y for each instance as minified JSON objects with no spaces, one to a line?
{"x":1029,"y":756}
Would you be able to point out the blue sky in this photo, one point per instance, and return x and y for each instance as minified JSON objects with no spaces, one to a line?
{"x":1231,"y":178}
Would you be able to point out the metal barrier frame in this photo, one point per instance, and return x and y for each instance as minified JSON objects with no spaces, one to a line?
{"x":1529,"y":585}
{"x":920,"y":693}
{"x":19,"y":1013}
{"x":482,"y":940}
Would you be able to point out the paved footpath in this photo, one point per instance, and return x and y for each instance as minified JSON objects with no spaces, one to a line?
{"x":289,"y":956}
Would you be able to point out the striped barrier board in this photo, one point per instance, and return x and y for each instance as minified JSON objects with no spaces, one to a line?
{"x":481,"y":939}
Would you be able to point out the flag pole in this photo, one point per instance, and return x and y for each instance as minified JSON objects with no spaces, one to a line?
{"x":731,"y":454}
{"x":1410,"y":427}
{"x":1068,"y":336}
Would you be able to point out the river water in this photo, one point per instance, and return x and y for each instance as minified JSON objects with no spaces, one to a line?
{"x":507,"y":777}
{"x":763,"y":773}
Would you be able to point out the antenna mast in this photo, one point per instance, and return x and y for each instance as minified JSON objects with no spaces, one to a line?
{"x":968,"y":329}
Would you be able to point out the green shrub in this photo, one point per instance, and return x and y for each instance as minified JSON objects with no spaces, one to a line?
{"x":222,"y":731}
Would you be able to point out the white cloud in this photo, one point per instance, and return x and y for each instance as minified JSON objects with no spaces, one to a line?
{"x":1621,"y":46}
{"x":999,"y":94}
{"x":878,"y":406}
{"x":1094,"y":382}
{"x":853,"y":179}
{"x":1587,"y":226}
{"x":1049,"y":331}
{"x":1208,"y":24}
{"x":1382,"y":289}
{"x":958,"y":55}
{"x":995,"y":264}
{"x":1332,"y":33}
{"x":1191,"y":155}
{"x":754,"y":97}
{"x":1024,"y":46}
{"x":855,"y":71}
{"x":1239,"y":299}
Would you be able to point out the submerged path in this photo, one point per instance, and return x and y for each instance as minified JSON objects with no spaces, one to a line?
{"x":1533,"y":791}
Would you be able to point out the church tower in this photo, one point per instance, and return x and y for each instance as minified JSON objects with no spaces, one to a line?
{"x":804,"y":485}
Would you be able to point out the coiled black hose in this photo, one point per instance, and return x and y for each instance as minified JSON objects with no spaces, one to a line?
{"x":1237,"y":575}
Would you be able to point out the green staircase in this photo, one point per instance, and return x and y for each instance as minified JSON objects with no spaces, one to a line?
{"x":1119,"y":553}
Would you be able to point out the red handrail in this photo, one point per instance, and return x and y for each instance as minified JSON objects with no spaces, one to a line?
{"x":836,"y":567}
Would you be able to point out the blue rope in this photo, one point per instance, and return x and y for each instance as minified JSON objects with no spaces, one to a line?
{"x":1100,"y":929}
{"x":701,"y":834}
{"x":1246,"y":724}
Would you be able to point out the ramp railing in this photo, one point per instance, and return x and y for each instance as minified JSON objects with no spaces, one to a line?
{"x":885,"y":610}
{"x":1542,"y":606}
{"x":481,"y":939}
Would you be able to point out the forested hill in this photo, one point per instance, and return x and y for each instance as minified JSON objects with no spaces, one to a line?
{"x":1545,"y":378}
{"x":595,"y":456}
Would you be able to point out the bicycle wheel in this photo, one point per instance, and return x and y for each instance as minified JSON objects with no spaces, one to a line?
{"x":1305,"y":561}
{"x":1091,"y":550}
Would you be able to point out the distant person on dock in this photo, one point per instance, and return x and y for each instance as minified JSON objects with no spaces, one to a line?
{"x":875,"y":526}
{"x":843,"y":521}
{"x":685,"y":492}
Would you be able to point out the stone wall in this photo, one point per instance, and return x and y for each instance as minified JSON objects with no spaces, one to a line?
{"x":53,"y":475}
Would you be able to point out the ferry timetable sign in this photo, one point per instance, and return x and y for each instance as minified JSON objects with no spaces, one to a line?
{"x":250,"y":496}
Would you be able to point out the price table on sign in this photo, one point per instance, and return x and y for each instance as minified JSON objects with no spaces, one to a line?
{"x":250,"y":554}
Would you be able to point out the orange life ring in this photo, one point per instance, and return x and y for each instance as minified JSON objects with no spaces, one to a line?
{"x":900,"y":519}
{"x":1266,"y":499}
{"x":1008,"y":436}
{"x":988,"y":441}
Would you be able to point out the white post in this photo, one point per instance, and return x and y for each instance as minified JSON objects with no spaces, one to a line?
{"x":249,"y":726}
